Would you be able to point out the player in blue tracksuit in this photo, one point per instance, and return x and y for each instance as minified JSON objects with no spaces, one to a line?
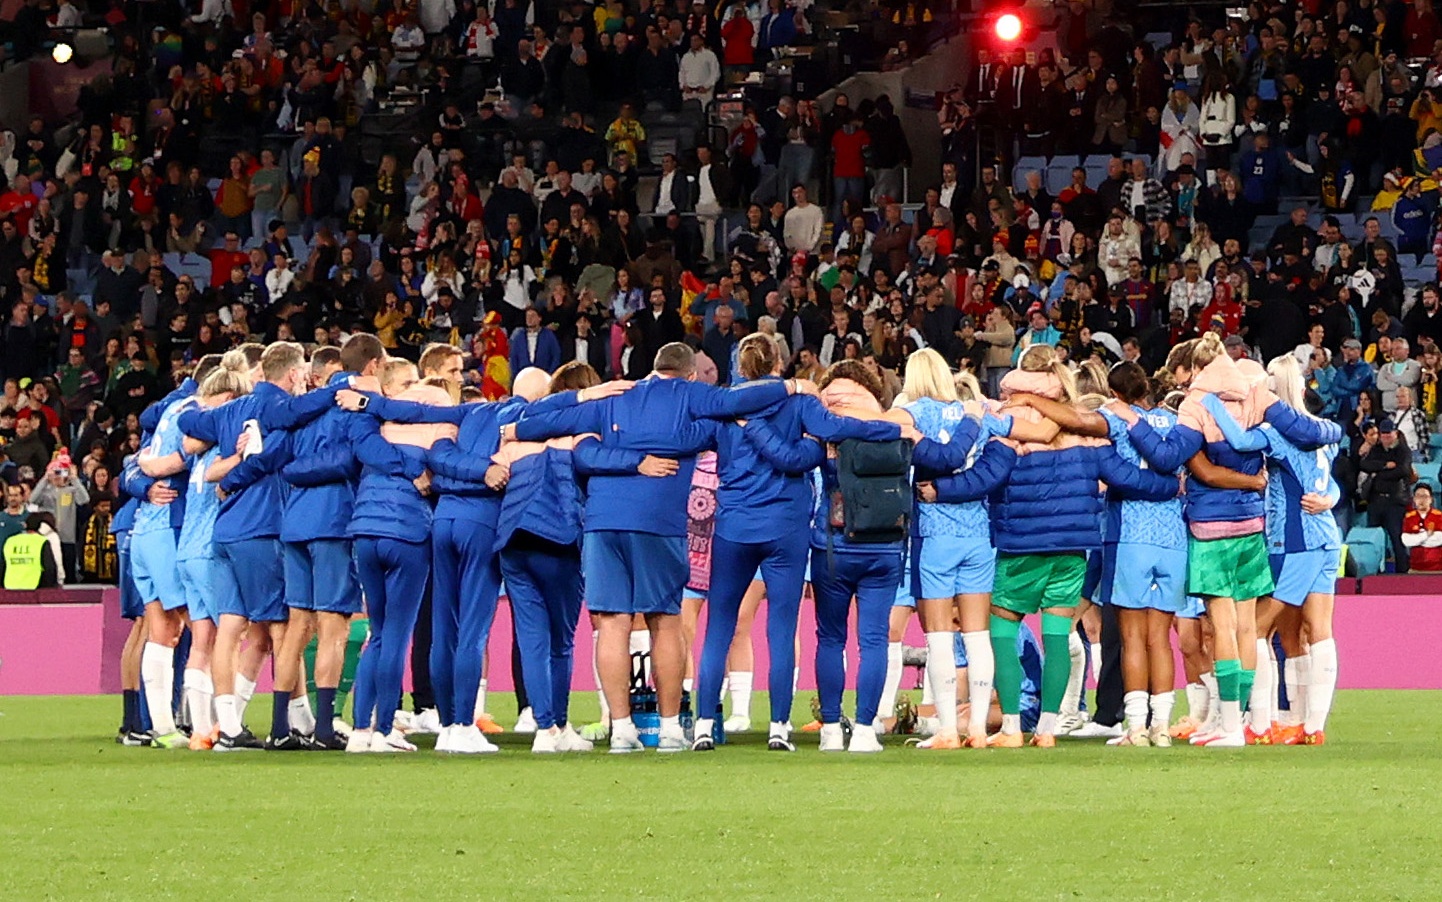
{"x":634,"y":555}
{"x":322,"y":591}
{"x":249,"y":586}
{"x":761,"y":524}
{"x":1305,"y":546}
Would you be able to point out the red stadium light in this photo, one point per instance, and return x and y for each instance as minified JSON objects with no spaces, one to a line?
{"x":1008,"y":27}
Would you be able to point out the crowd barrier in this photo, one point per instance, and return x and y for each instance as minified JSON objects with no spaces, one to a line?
{"x":68,"y":641}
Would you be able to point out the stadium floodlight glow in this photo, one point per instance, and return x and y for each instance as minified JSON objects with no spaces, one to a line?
{"x":62,"y":53}
{"x":1008,"y":27}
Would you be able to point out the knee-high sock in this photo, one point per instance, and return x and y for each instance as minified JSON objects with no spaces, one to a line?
{"x":1248,"y":680}
{"x":980,"y":671}
{"x":1008,"y":665}
{"x":596,"y":675}
{"x":1263,"y":700}
{"x":1298,"y":673}
{"x":480,"y":706}
{"x":892,"y":685}
{"x":1321,"y":685}
{"x":1076,"y":673}
{"x":1197,"y":700}
{"x":301,"y":716}
{"x":1136,"y":704}
{"x":1213,"y":709}
{"x":740,"y":682}
{"x":244,"y":689}
{"x":1161,"y":707}
{"x":198,"y":690}
{"x":1055,"y":669}
{"x":1229,"y":694}
{"x":941,"y":672}
{"x":227,"y":715}
{"x":157,"y":675}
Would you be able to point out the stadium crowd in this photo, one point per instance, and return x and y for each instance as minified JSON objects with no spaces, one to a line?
{"x":1271,"y":180}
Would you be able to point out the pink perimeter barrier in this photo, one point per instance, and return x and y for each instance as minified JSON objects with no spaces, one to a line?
{"x":68,"y":642}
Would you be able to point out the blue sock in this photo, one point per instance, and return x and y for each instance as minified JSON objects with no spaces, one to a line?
{"x":325,"y":713}
{"x":280,"y":715}
{"x":131,"y":699}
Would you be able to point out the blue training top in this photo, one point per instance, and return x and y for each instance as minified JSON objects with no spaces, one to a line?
{"x":1133,"y":520}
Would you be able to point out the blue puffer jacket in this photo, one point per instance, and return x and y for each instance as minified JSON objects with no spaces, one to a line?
{"x":322,"y":473}
{"x":543,"y":496}
{"x":387,"y":505}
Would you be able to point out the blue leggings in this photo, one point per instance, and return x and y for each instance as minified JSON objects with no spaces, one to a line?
{"x":467,"y":583}
{"x":783,"y":567}
{"x":872,"y":577}
{"x":393,"y":574}
{"x":543,"y":581}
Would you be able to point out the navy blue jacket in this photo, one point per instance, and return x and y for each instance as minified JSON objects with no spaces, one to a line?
{"x":387,"y":504}
{"x":322,"y":472}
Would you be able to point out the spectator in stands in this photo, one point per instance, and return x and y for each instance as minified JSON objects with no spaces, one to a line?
{"x":1388,"y":463}
{"x":1422,"y":532}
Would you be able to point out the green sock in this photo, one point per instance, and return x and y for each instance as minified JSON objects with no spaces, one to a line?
{"x":1248,"y":677}
{"x":1008,"y":664}
{"x":1056,"y":665}
{"x":1229,"y":680}
{"x":308,"y":655}
{"x":354,"y":643}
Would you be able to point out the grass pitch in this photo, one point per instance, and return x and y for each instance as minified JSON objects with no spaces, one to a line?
{"x":83,"y":818}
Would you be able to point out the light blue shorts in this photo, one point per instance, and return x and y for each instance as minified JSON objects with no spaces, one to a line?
{"x":1149,"y":577}
{"x":947,"y":566}
{"x":1192,"y":608}
{"x":152,"y":561}
{"x":903,"y":596}
{"x":198,"y":584}
{"x":1302,"y":573}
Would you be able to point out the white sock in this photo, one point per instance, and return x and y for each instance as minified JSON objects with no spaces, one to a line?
{"x":1096,"y":659}
{"x":227,"y":715}
{"x":1264,"y":689}
{"x":1161,"y":705}
{"x":779,"y":728}
{"x":928,"y":691}
{"x":301,"y":716}
{"x":980,"y":670}
{"x":622,"y":725}
{"x":1197,"y":701}
{"x":795,"y":678}
{"x":1299,"y":674}
{"x":1214,"y":699}
{"x":740,"y":682}
{"x":198,"y":691}
{"x":705,"y":726}
{"x":1011,"y":723}
{"x":244,"y":689}
{"x":1321,"y":685}
{"x":1076,"y":679}
{"x":1231,"y":716}
{"x":596,"y":675}
{"x":889,"y":689}
{"x":1134,"y":703}
{"x":157,"y":675}
{"x":671,"y":724}
{"x":941,"y":673}
{"x":687,"y":684}
{"x":480,"y":700}
{"x":1046,"y":724}
{"x":640,"y":642}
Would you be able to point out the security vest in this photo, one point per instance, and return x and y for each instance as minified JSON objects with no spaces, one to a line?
{"x":22,"y":561}
{"x":120,"y":160}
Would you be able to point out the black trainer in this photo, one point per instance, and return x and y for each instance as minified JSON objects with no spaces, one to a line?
{"x":703,"y":743}
{"x":779,"y":744}
{"x":134,"y":738}
{"x":244,"y":741}
{"x":294,"y":741}
{"x":336,"y":743}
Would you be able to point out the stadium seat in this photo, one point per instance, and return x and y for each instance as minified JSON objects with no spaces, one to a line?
{"x":1367,"y":545}
{"x":1096,"y":167}
{"x":1058,"y":173}
{"x":1025,"y":165}
{"x":1429,"y":472}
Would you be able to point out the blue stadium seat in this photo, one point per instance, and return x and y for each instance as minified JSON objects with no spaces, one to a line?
{"x":1367,"y":545}
{"x":1430,"y":473}
{"x":1025,"y":165}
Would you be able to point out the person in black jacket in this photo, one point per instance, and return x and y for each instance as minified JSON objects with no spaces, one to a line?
{"x":1389,"y":463}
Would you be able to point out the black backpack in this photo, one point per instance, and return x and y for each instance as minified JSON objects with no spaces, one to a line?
{"x":873,"y":501}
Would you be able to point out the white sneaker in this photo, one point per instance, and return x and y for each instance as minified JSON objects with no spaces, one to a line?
{"x":832,"y":739}
{"x":403,"y":720}
{"x":359,"y":742}
{"x":737,"y":724}
{"x":864,"y":741}
{"x":546,"y":742}
{"x":443,"y":739}
{"x":672,"y":741}
{"x":571,"y":741}
{"x":927,"y":726}
{"x":625,"y":740}
{"x":469,"y":740}
{"x":1067,"y":723}
{"x":1094,"y":730}
{"x":427,"y":721}
{"x":393,"y":741}
{"x":1234,"y":740}
{"x":526,"y":722}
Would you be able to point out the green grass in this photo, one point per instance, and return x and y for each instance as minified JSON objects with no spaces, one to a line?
{"x":85,"y":818}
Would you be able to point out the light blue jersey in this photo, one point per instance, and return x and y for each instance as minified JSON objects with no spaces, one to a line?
{"x":1293,"y":473}
{"x":202,"y":506}
{"x":940,"y":421}
{"x":1156,"y":523}
{"x":168,"y":439}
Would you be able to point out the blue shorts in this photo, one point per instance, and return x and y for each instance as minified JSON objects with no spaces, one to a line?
{"x":1192,"y":608}
{"x":197,"y":580}
{"x":688,"y":594}
{"x":1095,"y":584}
{"x":320,"y":576}
{"x":947,"y":566}
{"x":904,"y":598}
{"x":1148,"y":577}
{"x":1302,"y":573}
{"x":131,"y":607}
{"x":152,"y":560}
{"x":249,"y":580}
{"x":634,"y":572}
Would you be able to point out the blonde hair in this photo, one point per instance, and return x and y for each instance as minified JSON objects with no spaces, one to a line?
{"x":1043,"y":359}
{"x":222,"y":380}
{"x":1208,"y":348}
{"x":967,"y":387}
{"x":395,"y":369}
{"x":242,"y":358}
{"x":281,"y":357}
{"x":757,"y":355}
{"x":928,"y":376}
{"x":1180,"y":356}
{"x":1287,"y":382}
{"x":1092,"y":378}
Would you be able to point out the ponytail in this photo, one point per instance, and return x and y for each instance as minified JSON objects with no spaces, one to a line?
{"x":1043,"y":359}
{"x":1209,"y":347}
{"x":757,"y":355}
